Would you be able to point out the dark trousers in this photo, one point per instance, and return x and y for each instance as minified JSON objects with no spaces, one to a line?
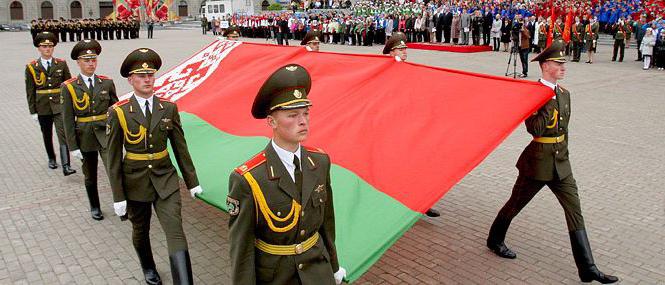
{"x":524,"y":58}
{"x":619,"y":45}
{"x":439,"y":31}
{"x":111,"y":32}
{"x":525,"y":189}
{"x":150,"y":28}
{"x":63,"y":36}
{"x":639,"y":51}
{"x":168,"y":213}
{"x":577,"y":50}
{"x":205,"y":30}
{"x":90,"y":163}
{"x":486,"y":36}
{"x":46,"y":123}
{"x":118,"y":34}
{"x":497,"y":43}
{"x":446,"y":33}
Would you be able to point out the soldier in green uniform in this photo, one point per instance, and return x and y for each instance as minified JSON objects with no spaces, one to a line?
{"x":118,"y":29}
{"x":282,"y":221}
{"x":576,"y":34}
{"x":545,"y":162}
{"x":311,"y":41}
{"x":87,"y":97}
{"x":144,"y":177}
{"x":620,"y":30}
{"x":43,"y":77}
{"x":591,"y":37}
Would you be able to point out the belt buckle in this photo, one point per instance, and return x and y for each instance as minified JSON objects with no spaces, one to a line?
{"x":150,"y":156}
{"x":299,"y":248}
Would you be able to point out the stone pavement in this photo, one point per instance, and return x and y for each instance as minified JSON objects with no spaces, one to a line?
{"x":617,"y":139}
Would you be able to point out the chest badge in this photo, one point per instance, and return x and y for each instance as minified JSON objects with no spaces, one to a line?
{"x":319,"y":188}
{"x":166,"y":120}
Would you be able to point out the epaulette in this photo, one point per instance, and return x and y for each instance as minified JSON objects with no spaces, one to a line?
{"x":251,"y":163}
{"x":120,"y":103}
{"x":68,"y":81}
{"x":103,"y":77}
{"x":34,"y":61}
{"x":314,"y":149}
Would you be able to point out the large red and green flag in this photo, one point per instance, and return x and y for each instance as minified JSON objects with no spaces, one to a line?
{"x":399,"y":134}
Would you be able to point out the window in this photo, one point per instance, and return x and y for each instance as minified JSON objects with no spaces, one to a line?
{"x":75,"y":10}
{"x":16,"y":11}
{"x":47,"y":10}
{"x":221,"y":8}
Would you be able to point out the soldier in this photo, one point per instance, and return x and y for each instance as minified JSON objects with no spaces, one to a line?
{"x":125,"y":28}
{"x":87,"y":97}
{"x":79,"y":30}
{"x":34,"y":29}
{"x":110,"y":26}
{"x":42,"y":81}
{"x":71,"y":28}
{"x":142,"y":125}
{"x":545,"y":162}
{"x":282,"y":221}
{"x":312,"y":40}
{"x":118,"y":29}
{"x":232,"y":33}
{"x":98,"y":29}
{"x":620,"y":30}
{"x":576,"y":34}
{"x":62,"y":27}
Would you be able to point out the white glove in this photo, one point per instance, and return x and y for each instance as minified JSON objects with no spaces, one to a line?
{"x":340,"y":275}
{"x":120,"y":208}
{"x":196,"y":190}
{"x":34,"y":117}
{"x":77,"y":154}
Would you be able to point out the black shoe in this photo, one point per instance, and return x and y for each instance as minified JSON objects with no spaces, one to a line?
{"x":152,"y":277}
{"x":96,"y":214}
{"x":432,"y":213}
{"x":586,"y":267}
{"x":52,"y":164}
{"x":64,"y":158}
{"x":614,"y":59}
{"x":502,"y":251}
{"x":181,"y":268}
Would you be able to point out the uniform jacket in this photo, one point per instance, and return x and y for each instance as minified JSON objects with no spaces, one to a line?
{"x":142,"y":180}
{"x":45,"y":104}
{"x":253,"y":266}
{"x":542,"y":161}
{"x":86,"y":136}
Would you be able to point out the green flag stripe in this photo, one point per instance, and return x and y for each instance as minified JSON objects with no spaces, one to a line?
{"x":368,"y":221}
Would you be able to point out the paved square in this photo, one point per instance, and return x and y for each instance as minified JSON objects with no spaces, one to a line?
{"x":617,"y":150}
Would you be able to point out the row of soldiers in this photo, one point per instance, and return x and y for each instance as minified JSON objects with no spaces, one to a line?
{"x":84,"y":29}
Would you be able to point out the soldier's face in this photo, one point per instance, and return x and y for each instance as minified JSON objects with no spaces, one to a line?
{"x":87,"y":65}
{"x":142,"y":83}
{"x":313,"y":45}
{"x":554,"y":69}
{"x":46,"y":51}
{"x":401,"y":52}
{"x":290,"y":126}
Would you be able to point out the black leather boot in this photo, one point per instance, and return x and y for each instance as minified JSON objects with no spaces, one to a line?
{"x":52,"y":164}
{"x":64,"y":158}
{"x":586,"y":267}
{"x":148,"y":264}
{"x":432,"y":213}
{"x":181,"y":268}
{"x":496,"y":237}
{"x":93,"y":197}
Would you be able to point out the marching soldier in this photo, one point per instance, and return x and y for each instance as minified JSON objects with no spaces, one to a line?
{"x":282,"y":221}
{"x":145,"y":177}
{"x":42,"y":84}
{"x":312,"y":40}
{"x":87,"y":97}
{"x":545,"y":162}
{"x":232,"y":33}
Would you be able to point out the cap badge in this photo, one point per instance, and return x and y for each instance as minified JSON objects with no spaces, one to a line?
{"x":86,"y":41}
{"x":316,"y":38}
{"x":297,"y":94}
{"x":143,"y":50}
{"x":291,"y":68}
{"x":401,"y":42}
{"x":88,"y":51}
{"x":144,"y":65}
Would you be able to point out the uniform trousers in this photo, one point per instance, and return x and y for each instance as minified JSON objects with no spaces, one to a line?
{"x":46,"y":123}
{"x":90,"y":163}
{"x":169,"y":215}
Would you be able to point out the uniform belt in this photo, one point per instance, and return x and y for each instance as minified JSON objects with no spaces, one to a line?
{"x":49,"y":91}
{"x":293,"y":249}
{"x":147,"y":156}
{"x":92,"y":118}
{"x":549,"y":139}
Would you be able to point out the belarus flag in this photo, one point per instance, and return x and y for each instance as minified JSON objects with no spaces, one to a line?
{"x":399,"y":134}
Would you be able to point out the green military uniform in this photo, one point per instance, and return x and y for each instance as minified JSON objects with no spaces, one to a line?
{"x":577,"y":37}
{"x":84,"y":116}
{"x":545,"y":162}
{"x":620,"y":31}
{"x":42,"y":87}
{"x":591,"y":36}
{"x":145,"y":176}
{"x":282,"y":229}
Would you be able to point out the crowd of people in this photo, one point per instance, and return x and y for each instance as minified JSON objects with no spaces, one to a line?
{"x":97,"y":29}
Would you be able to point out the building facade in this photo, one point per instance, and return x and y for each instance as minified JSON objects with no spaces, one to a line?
{"x":23,"y":11}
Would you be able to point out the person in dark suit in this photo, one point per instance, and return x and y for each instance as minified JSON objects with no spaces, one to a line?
{"x":545,"y":162}
{"x":438,"y":22}
{"x":488,"y":19}
{"x":447,"y":25}
{"x":280,"y":202}
{"x":140,"y":168}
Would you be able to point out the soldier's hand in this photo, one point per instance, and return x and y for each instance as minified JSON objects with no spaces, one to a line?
{"x":196,"y":191}
{"x":35,"y":117}
{"x":77,"y":154}
{"x":340,"y":275}
{"x":120,"y":208}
